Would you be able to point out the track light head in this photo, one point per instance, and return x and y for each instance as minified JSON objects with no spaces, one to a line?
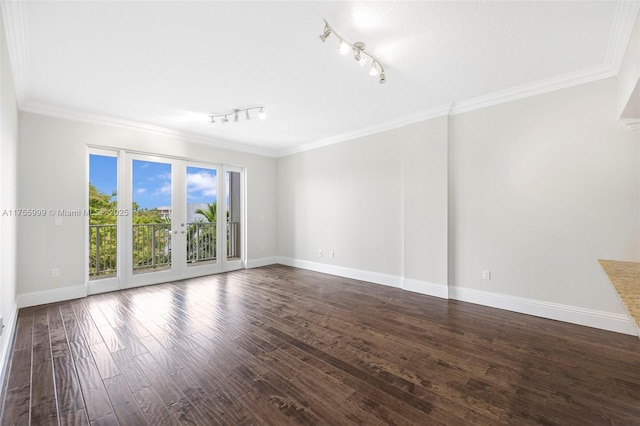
{"x":383,"y":78}
{"x":212,"y":120}
{"x":326,"y":34}
{"x":225,"y":119}
{"x":374,"y":69}
{"x":358,"y":53}
{"x":247,"y":116}
{"x":261,"y":114}
{"x":343,"y":47}
{"x":235,"y":116}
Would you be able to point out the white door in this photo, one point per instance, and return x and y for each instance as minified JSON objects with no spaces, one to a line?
{"x":234,"y":214}
{"x":201,"y":219}
{"x":186,"y":219}
{"x":152,"y":249}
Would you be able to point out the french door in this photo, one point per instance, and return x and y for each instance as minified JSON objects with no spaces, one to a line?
{"x":180,"y":219}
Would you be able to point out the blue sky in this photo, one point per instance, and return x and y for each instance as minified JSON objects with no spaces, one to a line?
{"x":102,"y":173}
{"x":152,"y":181}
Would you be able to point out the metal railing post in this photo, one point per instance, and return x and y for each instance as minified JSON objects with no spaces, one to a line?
{"x":97,"y":250}
{"x":153,"y":245}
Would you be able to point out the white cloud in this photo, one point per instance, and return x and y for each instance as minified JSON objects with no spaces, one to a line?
{"x":141,"y":190}
{"x":202,"y":182}
{"x":164,"y":189}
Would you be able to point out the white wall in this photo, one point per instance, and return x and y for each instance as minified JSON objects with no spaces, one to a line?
{"x":425,"y":194}
{"x":542,"y":188}
{"x":52,"y":174}
{"x":379,"y":202}
{"x":8,"y":161}
{"x":537,"y":191}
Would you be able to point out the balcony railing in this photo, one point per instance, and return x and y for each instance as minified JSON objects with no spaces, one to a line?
{"x":151,"y":249}
{"x":102,"y":250}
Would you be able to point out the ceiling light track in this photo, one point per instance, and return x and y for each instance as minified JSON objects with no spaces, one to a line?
{"x":358,"y":50}
{"x":235,"y":114}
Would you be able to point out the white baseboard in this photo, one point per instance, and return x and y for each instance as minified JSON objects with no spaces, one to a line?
{"x":572,"y":314}
{"x":423,"y":287}
{"x":341,"y":271}
{"x":8,"y":332}
{"x":35,"y":298}
{"x":103,"y":286}
{"x":263,"y":261}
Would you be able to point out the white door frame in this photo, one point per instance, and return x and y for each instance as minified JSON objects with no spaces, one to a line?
{"x":125,"y":277}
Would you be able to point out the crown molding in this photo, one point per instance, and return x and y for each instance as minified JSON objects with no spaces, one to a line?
{"x":539,"y":87}
{"x":14,"y":20}
{"x":93,"y":118}
{"x":439,"y":111}
{"x":632,"y":123}
{"x":623,"y":23}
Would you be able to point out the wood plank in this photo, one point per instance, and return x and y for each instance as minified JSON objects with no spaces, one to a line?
{"x":68,"y":389}
{"x":17,"y":405}
{"x":105,"y":363}
{"x":97,"y":402}
{"x":185,"y":413}
{"x":124,"y":404}
{"x":86,"y":324}
{"x":45,"y":414}
{"x":20,"y":368}
{"x":108,"y":420}
{"x":153,"y":408}
{"x":42,"y":383}
{"x":131,"y":371}
{"x":169,"y":363}
{"x":77,"y":418}
{"x":24,"y":333}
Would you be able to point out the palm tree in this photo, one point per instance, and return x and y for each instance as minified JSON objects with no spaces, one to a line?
{"x":201,"y":240}
{"x":210,"y":213}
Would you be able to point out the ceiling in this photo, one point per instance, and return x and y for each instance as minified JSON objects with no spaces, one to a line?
{"x":167,"y":65}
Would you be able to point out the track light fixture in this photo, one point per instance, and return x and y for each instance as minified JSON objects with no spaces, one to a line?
{"x":236,"y":115}
{"x":327,"y":32}
{"x":360,"y":54}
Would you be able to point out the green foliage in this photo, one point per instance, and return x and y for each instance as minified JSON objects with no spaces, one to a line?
{"x":100,"y":205}
{"x":210,"y":213}
{"x":151,"y":243}
{"x":151,"y":236}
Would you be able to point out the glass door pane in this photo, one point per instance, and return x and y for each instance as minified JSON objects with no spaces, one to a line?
{"x":233,"y":216}
{"x":151,"y":206}
{"x":103,"y":217}
{"x":202,"y":215}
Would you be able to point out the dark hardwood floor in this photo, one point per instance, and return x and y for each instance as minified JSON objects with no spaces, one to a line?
{"x":278,"y":345}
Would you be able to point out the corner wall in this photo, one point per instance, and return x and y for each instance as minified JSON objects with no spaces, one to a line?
{"x":378,"y":202}
{"x":629,"y":78}
{"x":8,"y":184}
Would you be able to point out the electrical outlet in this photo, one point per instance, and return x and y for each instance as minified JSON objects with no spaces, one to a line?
{"x":320,"y":253}
{"x":486,"y":275}
{"x":55,"y":273}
